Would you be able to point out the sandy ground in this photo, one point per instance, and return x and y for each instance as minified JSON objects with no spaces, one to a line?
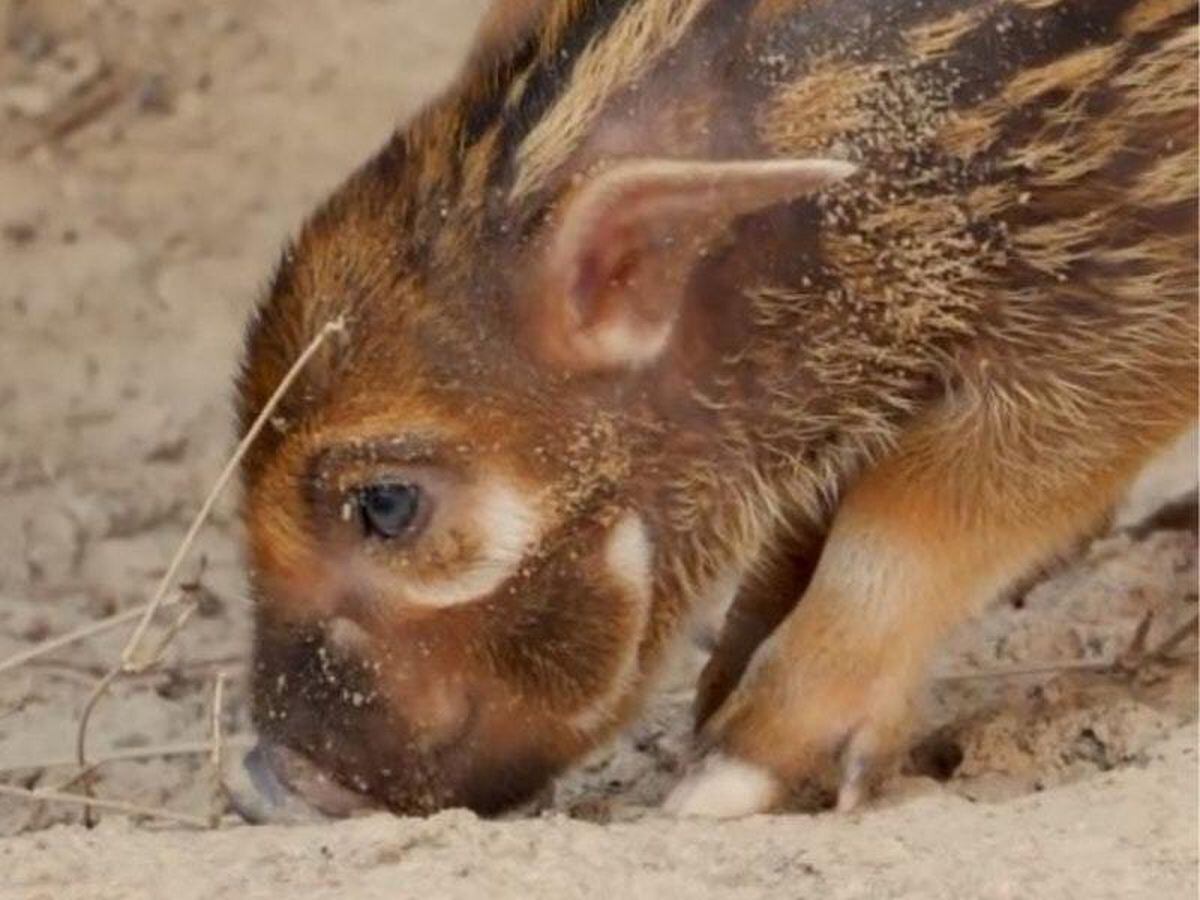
{"x":153,"y":156}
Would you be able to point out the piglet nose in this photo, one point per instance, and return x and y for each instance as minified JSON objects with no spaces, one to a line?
{"x":279,"y":785}
{"x":260,"y":796}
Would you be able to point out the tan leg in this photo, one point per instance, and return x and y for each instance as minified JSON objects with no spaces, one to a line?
{"x":919,"y":544}
{"x":767,"y":595}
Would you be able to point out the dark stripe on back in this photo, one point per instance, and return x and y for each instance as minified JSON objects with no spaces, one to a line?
{"x":852,"y":30}
{"x":1014,"y":39}
{"x":486,"y":109}
{"x":548,"y":80}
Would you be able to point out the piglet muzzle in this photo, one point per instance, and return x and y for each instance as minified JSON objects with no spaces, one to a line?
{"x":277,"y":785}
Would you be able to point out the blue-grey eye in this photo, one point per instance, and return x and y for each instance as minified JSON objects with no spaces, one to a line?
{"x":388,"y":509}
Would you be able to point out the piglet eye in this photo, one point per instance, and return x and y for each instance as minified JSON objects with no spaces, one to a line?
{"x":389,"y":509}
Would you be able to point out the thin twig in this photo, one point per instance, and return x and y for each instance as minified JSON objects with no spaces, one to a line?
{"x":1177,"y":637}
{"x":132,"y":660}
{"x":77,"y":675}
{"x":132,"y":754}
{"x":93,"y":629}
{"x":216,"y":756}
{"x":89,"y":107}
{"x":84,"y":775}
{"x":337,"y":325}
{"x":156,"y":653}
{"x":79,"y":634}
{"x":1127,"y":661}
{"x":1132,"y":657}
{"x":81,"y":734}
{"x":132,"y":809}
{"x":87,"y":675}
{"x":101,"y":96}
{"x":23,"y":697}
{"x":1070,"y":665}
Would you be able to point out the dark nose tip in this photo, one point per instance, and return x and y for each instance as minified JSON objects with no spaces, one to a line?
{"x":259,"y":795}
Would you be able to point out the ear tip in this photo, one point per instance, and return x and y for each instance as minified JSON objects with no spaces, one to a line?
{"x":840,"y":168}
{"x":830,"y":169}
{"x":811,"y":172}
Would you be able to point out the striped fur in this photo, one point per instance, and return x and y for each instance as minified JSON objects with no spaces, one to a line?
{"x":1015,"y":260}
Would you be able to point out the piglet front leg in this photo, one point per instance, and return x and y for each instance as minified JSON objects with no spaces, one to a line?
{"x":919,"y":543}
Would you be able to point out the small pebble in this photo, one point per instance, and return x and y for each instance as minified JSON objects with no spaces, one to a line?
{"x":154,"y":95}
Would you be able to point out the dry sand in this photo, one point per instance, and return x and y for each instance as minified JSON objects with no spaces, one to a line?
{"x":153,"y":156}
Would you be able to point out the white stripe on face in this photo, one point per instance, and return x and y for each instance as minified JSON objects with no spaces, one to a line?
{"x":507,"y":527}
{"x":627,"y":562}
{"x":627,"y":556}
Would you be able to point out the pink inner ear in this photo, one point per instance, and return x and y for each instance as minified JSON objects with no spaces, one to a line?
{"x":619,"y":257}
{"x":584,"y":285}
{"x":605,"y":263}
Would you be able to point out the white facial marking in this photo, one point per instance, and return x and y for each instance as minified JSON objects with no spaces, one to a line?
{"x":507,"y":526}
{"x":347,"y":635}
{"x":627,"y":557}
{"x":622,"y":342}
{"x":723,"y":788}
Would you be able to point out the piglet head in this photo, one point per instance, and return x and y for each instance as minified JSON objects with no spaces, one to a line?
{"x":459,"y":520}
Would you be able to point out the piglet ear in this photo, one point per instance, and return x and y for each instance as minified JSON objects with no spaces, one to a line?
{"x":623,"y":245}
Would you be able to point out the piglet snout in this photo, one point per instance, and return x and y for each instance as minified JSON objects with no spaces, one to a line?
{"x":276,"y":785}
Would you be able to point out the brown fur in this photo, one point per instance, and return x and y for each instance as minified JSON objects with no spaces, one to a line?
{"x":958,"y":356}
{"x":768,"y":593}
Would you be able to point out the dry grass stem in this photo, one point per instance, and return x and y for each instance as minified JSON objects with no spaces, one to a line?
{"x":81,"y":735}
{"x":152,"y":655}
{"x":132,"y":754}
{"x":133,"y":658}
{"x":90,"y":630}
{"x":164,"y":585}
{"x":1128,"y":661}
{"x":1177,"y":637}
{"x":217,"y":753}
{"x":1135,"y":654}
{"x":131,"y":809}
{"x":93,"y":629}
{"x":1054,"y":668}
{"x":87,"y":675}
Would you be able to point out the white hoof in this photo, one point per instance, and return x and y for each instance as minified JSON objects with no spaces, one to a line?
{"x":723,"y":788}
